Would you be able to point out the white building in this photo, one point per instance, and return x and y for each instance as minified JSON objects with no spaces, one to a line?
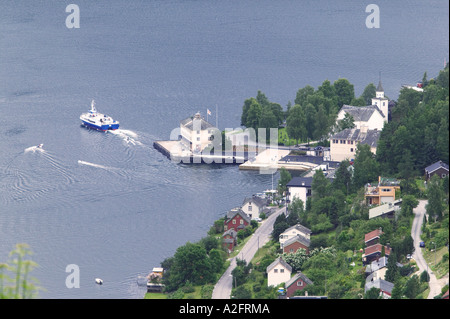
{"x":380,"y":101}
{"x":294,"y":231}
{"x":370,"y":116}
{"x":299,"y":187}
{"x":196,"y":133}
{"x":343,"y":144}
{"x":278,"y":272}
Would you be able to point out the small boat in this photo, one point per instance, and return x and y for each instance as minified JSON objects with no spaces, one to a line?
{"x":98,"y":281}
{"x":40,"y":146}
{"x":98,"y":121}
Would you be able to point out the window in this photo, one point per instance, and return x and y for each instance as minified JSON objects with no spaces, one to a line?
{"x":198,"y":132}
{"x":249,"y":208}
{"x":198,"y":138}
{"x":282,"y":270}
{"x":351,"y":150}
{"x":299,"y":283}
{"x":275,"y":270}
{"x":234,"y":221}
{"x":241,"y":221}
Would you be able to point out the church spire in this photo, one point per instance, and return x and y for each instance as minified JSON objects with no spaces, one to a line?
{"x":380,"y":87}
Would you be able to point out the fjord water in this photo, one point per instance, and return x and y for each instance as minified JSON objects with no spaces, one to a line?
{"x":109,"y":202}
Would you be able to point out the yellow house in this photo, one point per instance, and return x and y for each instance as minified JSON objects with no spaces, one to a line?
{"x":384,"y":192}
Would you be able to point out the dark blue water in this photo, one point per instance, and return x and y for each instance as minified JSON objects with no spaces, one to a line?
{"x":125,"y":207}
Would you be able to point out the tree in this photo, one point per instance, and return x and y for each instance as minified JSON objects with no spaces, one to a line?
{"x":347,"y":122}
{"x":296,"y":123}
{"x":372,"y":293}
{"x":310,"y":114}
{"x":297,"y":209}
{"x":321,"y":123}
{"x":253,"y":115}
{"x":285,"y":177}
{"x":319,"y":185}
{"x":279,"y":226}
{"x":392,"y":272}
{"x":23,"y":287}
{"x":435,"y":195}
{"x":369,"y":92}
{"x":343,"y":177}
{"x":412,"y":287}
{"x":267,"y":120}
{"x":190,"y":264}
{"x":344,"y":90}
{"x":302,"y":95}
{"x":366,"y":168}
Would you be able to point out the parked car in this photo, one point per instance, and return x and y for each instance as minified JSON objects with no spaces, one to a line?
{"x":422,"y":244}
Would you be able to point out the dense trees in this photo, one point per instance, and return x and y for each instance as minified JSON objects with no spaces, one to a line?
{"x":418,"y":134}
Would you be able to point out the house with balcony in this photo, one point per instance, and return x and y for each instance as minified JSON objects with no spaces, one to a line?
{"x":383,"y":192}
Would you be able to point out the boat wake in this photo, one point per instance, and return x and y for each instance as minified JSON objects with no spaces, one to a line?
{"x":34,"y":149}
{"x":128,"y":136}
{"x":96,"y":165}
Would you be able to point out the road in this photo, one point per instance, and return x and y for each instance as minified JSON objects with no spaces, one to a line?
{"x":435,"y":284}
{"x":222,"y":289}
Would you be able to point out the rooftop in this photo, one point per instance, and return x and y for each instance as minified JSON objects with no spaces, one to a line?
{"x":370,"y":137}
{"x":361,"y":113}
{"x":300,"y":182}
{"x":196,"y":120}
{"x":435,"y":166}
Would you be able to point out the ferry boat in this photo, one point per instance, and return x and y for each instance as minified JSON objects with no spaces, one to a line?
{"x":98,"y":121}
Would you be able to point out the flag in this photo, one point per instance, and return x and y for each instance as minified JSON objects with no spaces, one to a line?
{"x":208,"y":111}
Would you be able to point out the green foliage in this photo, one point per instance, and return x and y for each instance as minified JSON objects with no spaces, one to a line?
{"x":192,"y":264}
{"x":418,"y":134}
{"x":285,"y":177}
{"x":15,"y":282}
{"x":366,"y":168}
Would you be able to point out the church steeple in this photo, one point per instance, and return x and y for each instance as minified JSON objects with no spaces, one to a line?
{"x":380,"y":100}
{"x":380,"y":90}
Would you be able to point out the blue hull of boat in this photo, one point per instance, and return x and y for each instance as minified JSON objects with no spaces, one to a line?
{"x":101,"y":128}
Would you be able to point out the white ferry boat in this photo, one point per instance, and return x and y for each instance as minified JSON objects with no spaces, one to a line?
{"x":98,"y":121}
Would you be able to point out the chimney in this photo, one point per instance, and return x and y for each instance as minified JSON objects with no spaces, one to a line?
{"x":364,"y":129}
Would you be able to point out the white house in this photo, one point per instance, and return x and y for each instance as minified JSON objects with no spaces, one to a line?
{"x":293,"y":231}
{"x":278,"y":272}
{"x":370,"y":116}
{"x":343,"y":144}
{"x":381,"y":101}
{"x":196,"y":133}
{"x":299,"y":187}
{"x":253,"y":206}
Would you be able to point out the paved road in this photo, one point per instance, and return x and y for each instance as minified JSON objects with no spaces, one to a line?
{"x":435,"y":285}
{"x":222,"y":290}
